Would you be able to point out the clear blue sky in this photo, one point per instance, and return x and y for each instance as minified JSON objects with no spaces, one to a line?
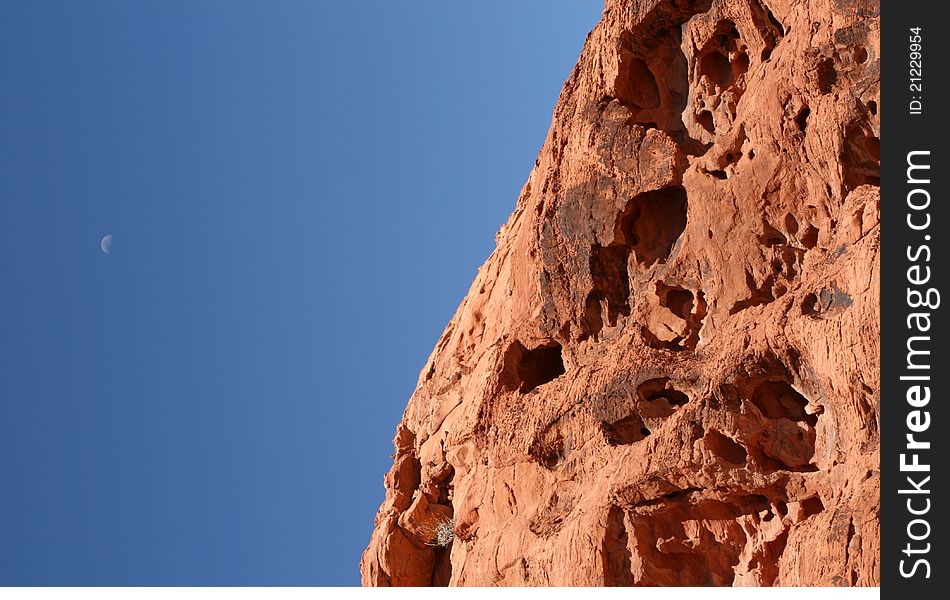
{"x":300,"y":193}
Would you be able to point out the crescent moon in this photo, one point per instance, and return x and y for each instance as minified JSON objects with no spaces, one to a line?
{"x":106,"y":243}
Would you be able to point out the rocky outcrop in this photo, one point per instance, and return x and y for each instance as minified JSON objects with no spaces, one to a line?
{"x":667,"y":371}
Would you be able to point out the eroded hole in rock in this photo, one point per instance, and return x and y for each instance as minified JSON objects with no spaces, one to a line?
{"x":678,"y":300}
{"x":740,"y":65}
{"x":827,"y":76}
{"x":811,"y":507}
{"x":801,"y":119}
{"x":765,"y":462}
{"x":705,"y":119}
{"x":653,"y":75}
{"x":794,"y":455}
{"x":669,"y":341}
{"x":810,"y":305}
{"x":652,"y":390}
{"x":540,"y":366}
{"x":658,"y":398}
{"x":717,"y":67}
{"x":696,"y":432}
{"x":652,"y":222}
{"x":525,"y":370}
{"x":625,"y":431}
{"x":791,"y":224}
{"x":638,"y":85}
{"x":788,"y":256}
{"x":771,"y":236}
{"x":809,"y":238}
{"x":872,"y":107}
{"x":861,"y":55}
{"x":768,"y":558}
{"x":676,"y":328}
{"x":687,"y":541}
{"x":779,"y":400}
{"x":549,"y":454}
{"x":780,"y":434}
{"x":780,"y":29}
{"x":593,"y":320}
{"x":725,"y":447}
{"x":608,"y":271}
{"x":719,"y":79}
{"x":723,"y":59}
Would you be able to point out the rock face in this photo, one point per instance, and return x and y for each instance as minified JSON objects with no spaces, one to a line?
{"x":667,"y":371}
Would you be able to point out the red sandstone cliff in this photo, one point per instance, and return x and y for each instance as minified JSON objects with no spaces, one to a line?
{"x":667,"y":371}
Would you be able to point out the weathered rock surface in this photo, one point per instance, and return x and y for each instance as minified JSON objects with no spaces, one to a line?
{"x":667,"y":371}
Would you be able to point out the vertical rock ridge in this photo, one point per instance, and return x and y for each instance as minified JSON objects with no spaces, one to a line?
{"x":667,"y":372}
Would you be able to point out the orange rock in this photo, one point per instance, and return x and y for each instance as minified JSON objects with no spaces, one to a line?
{"x":667,"y":371}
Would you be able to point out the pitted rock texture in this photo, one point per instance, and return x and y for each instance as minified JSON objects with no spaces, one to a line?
{"x":667,"y":371}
